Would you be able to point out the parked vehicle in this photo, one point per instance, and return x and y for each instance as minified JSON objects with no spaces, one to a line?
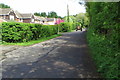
{"x":78,"y":28}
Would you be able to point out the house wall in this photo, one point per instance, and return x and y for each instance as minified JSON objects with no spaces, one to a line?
{"x":32,"y":19}
{"x":18,"y":20}
{"x":7,"y":17}
{"x":13,"y":14}
{"x":37,"y":21}
{"x":51,"y":23}
{"x":4,"y":17}
{"x":28,"y":20}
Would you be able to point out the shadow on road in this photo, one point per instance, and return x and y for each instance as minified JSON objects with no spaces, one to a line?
{"x":68,"y":60}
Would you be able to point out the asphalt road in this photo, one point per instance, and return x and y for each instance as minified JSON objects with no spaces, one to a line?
{"x":67,"y":56}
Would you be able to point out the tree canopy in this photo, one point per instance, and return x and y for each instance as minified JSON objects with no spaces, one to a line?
{"x":51,"y":14}
{"x":4,"y":6}
{"x":37,"y":14}
{"x":43,"y":14}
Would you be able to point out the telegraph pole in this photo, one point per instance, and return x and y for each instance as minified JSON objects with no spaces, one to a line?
{"x":68,"y":13}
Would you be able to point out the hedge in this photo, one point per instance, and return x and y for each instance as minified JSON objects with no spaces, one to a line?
{"x":23,"y":32}
{"x":104,"y":37}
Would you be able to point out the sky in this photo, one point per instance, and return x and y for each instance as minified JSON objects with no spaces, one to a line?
{"x":59,"y":6}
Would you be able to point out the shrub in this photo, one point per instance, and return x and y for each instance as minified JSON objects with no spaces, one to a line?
{"x":65,"y":27}
{"x":24,"y":32}
{"x":103,"y":36}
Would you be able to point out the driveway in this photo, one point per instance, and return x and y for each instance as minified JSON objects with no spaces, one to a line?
{"x":66,"y":56}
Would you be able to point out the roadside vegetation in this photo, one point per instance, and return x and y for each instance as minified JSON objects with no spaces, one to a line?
{"x":104,"y":37}
{"x":14,"y":33}
{"x":32,"y":42}
{"x":0,"y":33}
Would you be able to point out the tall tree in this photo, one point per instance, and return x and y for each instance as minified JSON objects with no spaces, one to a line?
{"x":82,"y":19}
{"x":4,"y":6}
{"x":43,"y":14}
{"x":52,"y":14}
{"x":37,"y":14}
{"x":71,"y":19}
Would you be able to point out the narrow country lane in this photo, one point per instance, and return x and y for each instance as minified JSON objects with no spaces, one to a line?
{"x":62,"y":57}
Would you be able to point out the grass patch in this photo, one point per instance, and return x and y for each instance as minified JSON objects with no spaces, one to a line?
{"x":32,"y":42}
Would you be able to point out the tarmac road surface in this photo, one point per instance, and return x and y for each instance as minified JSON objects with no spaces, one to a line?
{"x":66,"y":56}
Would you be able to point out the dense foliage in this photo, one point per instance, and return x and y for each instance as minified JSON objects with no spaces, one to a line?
{"x":81,"y":19}
{"x":4,"y":6}
{"x":51,"y":14}
{"x":104,"y":36}
{"x":0,"y":33}
{"x":23,"y":32}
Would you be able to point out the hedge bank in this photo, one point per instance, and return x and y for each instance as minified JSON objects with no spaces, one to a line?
{"x":104,"y":37}
{"x":24,"y":32}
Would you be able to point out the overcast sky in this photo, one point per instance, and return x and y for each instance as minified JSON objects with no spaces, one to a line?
{"x":59,"y":6}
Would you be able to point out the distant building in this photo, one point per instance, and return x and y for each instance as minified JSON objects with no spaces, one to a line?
{"x":53,"y":21}
{"x":58,"y":21}
{"x":50,"y":21}
{"x":9,"y":15}
{"x":39,"y":20}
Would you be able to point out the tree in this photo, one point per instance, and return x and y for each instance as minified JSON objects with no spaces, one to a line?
{"x":71,"y":19}
{"x":82,"y":19}
{"x":43,"y":14}
{"x":79,"y":17}
{"x":52,"y":14}
{"x":37,"y":14}
{"x":4,"y":6}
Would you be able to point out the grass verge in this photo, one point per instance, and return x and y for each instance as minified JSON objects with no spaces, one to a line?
{"x":32,"y":42}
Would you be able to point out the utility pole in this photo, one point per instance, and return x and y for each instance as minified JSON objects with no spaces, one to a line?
{"x":68,"y":13}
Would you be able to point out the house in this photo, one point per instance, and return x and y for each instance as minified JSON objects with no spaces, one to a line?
{"x":27,"y":18}
{"x":7,"y":14}
{"x":58,"y":21}
{"x":51,"y":21}
{"x":39,"y":20}
{"x":10,"y":15}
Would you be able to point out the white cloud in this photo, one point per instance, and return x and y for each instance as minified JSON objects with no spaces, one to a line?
{"x":31,"y":6}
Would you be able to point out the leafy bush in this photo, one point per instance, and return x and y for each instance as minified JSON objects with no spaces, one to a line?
{"x":24,"y":32}
{"x":105,"y":53}
{"x":103,"y":37}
